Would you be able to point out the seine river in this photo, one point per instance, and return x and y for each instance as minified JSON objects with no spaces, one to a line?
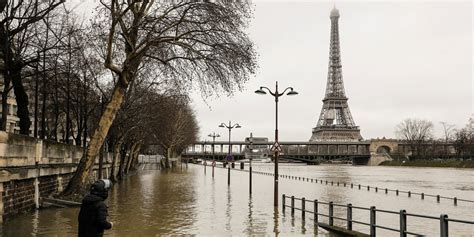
{"x":190,"y":202}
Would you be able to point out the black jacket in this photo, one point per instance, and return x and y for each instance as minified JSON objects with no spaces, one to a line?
{"x":93,"y":217}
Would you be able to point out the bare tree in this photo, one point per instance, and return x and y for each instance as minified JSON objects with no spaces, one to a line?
{"x":195,"y":42}
{"x":448,"y":131}
{"x":464,"y":142}
{"x":17,"y":19}
{"x":415,"y":132}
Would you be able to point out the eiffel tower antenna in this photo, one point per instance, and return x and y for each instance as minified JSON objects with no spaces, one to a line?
{"x":335,"y":121}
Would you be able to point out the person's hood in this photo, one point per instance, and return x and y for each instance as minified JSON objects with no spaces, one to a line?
{"x":91,"y":198}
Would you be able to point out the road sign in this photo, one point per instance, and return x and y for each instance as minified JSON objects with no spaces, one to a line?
{"x":213,"y":163}
{"x":276,"y":147}
{"x":229,"y":158}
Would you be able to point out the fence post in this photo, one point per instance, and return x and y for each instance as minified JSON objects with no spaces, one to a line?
{"x":409,"y":193}
{"x":376,"y":189}
{"x":359,"y":186}
{"x":403,"y":223}
{"x":303,"y":203}
{"x":397,"y":192}
{"x":422,"y":195}
{"x":283,"y":198}
{"x":443,"y":225}
{"x":331,"y":212}
{"x":372,"y":221}
{"x":352,"y":185}
{"x":292,"y":205}
{"x":386,"y":190}
{"x":437,"y":198}
{"x":316,"y":211}
{"x":349,"y":216}
{"x":455,"y":201}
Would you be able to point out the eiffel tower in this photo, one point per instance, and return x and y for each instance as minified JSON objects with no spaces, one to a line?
{"x":335,"y":121}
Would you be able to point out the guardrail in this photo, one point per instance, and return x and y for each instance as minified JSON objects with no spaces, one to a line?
{"x":397,"y":192}
{"x":373,"y":226}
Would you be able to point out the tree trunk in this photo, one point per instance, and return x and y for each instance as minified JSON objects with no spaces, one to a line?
{"x":87,"y":161}
{"x":123,"y":155}
{"x":101,"y":162}
{"x":21,"y":99}
{"x":130,"y":157}
{"x":133,"y":163}
{"x":115,"y":158}
{"x":6,"y":89}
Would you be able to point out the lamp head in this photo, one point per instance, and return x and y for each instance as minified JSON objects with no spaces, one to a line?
{"x":292,"y":92}
{"x":222,"y":125}
{"x":237,"y":126}
{"x":260,"y":91}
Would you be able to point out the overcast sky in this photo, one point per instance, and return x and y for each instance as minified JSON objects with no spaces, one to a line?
{"x":400,"y":60}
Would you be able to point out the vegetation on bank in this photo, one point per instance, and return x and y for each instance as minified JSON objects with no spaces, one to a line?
{"x":454,"y":163}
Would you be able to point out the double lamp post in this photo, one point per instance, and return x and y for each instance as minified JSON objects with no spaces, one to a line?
{"x":276,"y":147}
{"x":230,"y":126}
{"x":213,"y":135}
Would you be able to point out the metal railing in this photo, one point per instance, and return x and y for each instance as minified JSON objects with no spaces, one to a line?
{"x":372,"y":224}
{"x":397,"y":192}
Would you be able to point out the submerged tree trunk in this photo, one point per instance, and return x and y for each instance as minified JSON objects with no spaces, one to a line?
{"x":131,"y":154}
{"x":123,"y":154}
{"x":87,"y":161}
{"x":115,"y":158}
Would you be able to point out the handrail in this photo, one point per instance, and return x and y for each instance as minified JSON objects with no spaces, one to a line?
{"x":444,"y":220}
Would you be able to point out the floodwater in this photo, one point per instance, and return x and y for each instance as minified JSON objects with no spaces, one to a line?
{"x":189,"y":201}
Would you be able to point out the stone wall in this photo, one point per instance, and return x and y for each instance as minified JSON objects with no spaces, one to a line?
{"x":18,"y":196}
{"x":33,"y":168}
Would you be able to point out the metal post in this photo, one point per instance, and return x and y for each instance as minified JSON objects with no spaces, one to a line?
{"x":316,"y":211}
{"x":359,"y":186}
{"x":349,"y":216}
{"x":422,"y":196}
{"x":283,"y":202}
{"x":229,"y":150}
{"x":292,"y":205}
{"x":303,"y":204}
{"x":372,"y":222}
{"x":437,"y":198}
{"x":396,"y":192}
{"x":409,"y":193}
{"x":331,"y":213}
{"x":403,"y":223}
{"x":277,"y":153}
{"x":455,"y":201}
{"x":444,"y":232}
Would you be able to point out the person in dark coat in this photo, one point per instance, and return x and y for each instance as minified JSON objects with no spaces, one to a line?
{"x":93,"y":214}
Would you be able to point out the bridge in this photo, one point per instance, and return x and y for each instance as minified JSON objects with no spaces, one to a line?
{"x":370,"y":152}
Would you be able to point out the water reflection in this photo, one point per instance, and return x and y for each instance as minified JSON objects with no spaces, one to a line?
{"x":228,"y":214}
{"x":276,"y":220}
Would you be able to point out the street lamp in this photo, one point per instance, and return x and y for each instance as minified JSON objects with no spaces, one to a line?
{"x":230,"y":127}
{"x":276,"y":147}
{"x":213,"y":135}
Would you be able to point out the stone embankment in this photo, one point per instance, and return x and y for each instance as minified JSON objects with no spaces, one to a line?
{"x":32,"y":168}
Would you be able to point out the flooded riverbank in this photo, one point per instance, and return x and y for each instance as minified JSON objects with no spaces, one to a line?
{"x":189,"y":202}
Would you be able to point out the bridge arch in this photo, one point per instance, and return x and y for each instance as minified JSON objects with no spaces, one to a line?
{"x":383,"y":149}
